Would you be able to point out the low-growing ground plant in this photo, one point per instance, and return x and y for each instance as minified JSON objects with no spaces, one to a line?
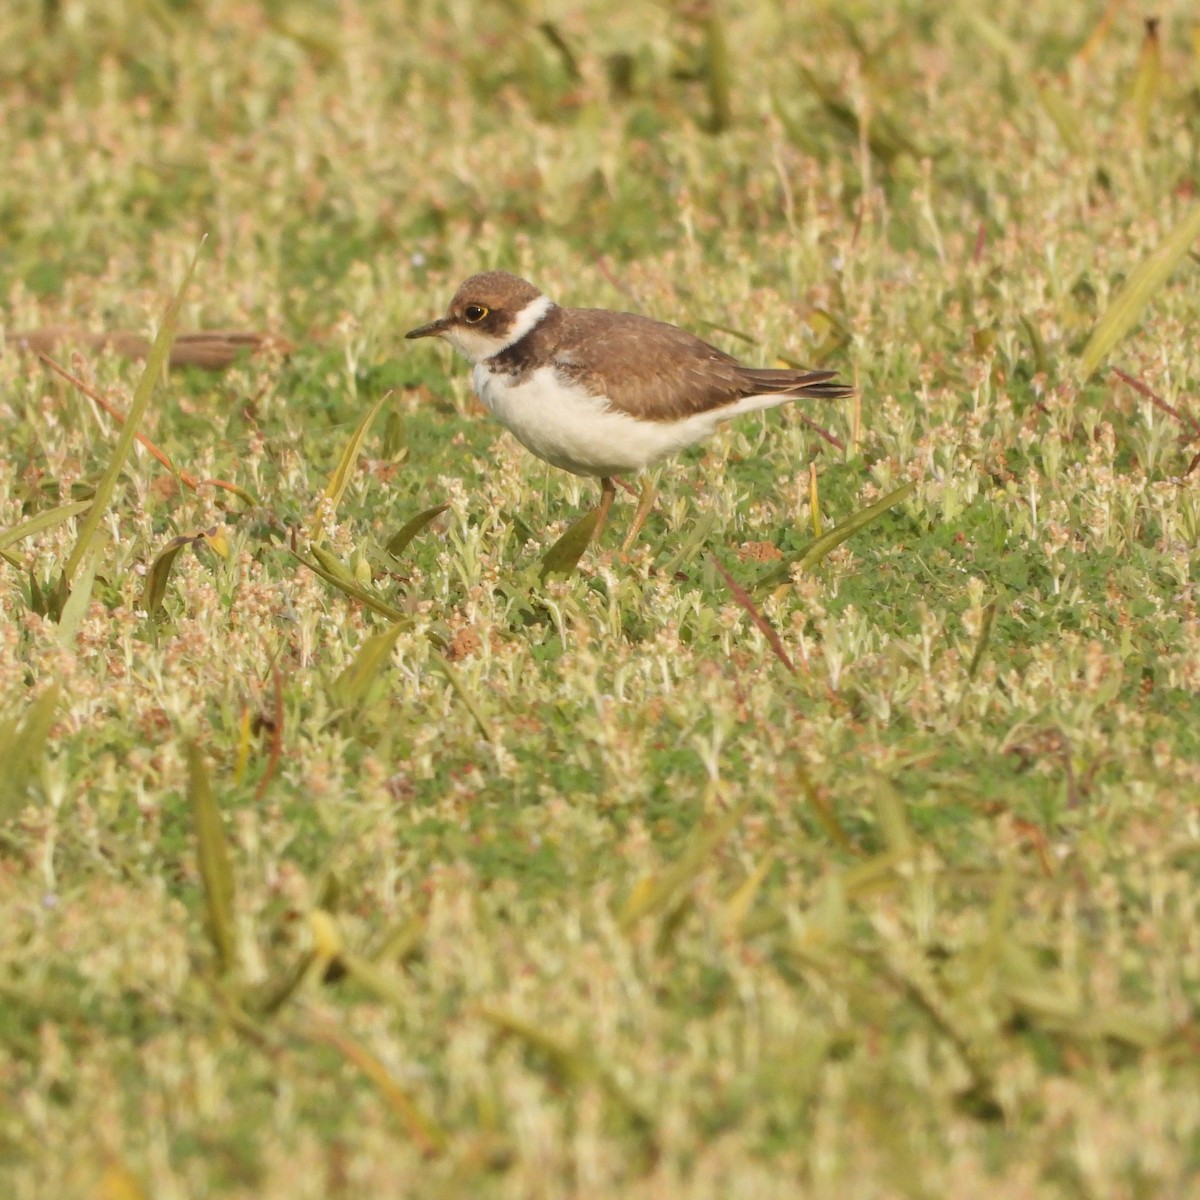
{"x":365,"y":832}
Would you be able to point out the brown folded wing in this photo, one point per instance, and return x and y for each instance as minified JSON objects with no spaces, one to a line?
{"x":650,"y":369}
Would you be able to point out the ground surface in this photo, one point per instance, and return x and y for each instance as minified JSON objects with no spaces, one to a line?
{"x":869,"y":874}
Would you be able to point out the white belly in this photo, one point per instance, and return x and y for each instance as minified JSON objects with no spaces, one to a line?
{"x":580,"y":433}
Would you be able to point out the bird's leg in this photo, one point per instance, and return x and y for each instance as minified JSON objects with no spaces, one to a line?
{"x":608,"y":493}
{"x":645,"y":504}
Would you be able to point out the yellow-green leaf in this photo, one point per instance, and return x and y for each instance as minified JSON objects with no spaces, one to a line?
{"x":1147,"y":81}
{"x":994,"y":36}
{"x":398,"y":542}
{"x":22,"y":744}
{"x":427,"y":1136}
{"x":563,"y":1058}
{"x":340,"y":480}
{"x":818,"y":548}
{"x":118,"y":1182}
{"x":1064,"y":117}
{"x":43,"y":520}
{"x":400,"y":941}
{"x":218,"y":540}
{"x":563,"y":557}
{"x":878,"y":873}
{"x":243,"y":747}
{"x":696,"y":538}
{"x":269,"y":996}
{"x":572,"y":1064}
{"x":985,"y":633}
{"x":738,"y":905}
{"x":352,"y":590}
{"x":374,"y":979}
{"x":156,"y":360}
{"x":212,"y":854}
{"x":1041,"y":360}
{"x":334,"y":565}
{"x":893,"y":820}
{"x":814,"y":499}
{"x":460,"y":690}
{"x":1123,"y":313}
{"x":351,"y":686}
{"x":156,"y":578}
{"x":75,"y":603}
{"x":664,"y":891}
{"x":718,"y":73}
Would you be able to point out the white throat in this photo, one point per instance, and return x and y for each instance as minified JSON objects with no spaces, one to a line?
{"x":478,"y":346}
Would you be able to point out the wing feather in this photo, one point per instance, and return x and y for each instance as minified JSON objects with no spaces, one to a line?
{"x":650,"y":369}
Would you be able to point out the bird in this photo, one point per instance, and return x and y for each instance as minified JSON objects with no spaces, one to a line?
{"x":599,"y":392}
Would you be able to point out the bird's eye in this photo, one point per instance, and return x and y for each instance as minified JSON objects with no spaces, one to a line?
{"x":475,"y":313}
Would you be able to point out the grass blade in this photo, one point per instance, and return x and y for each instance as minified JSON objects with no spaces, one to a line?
{"x":352,"y":590}
{"x":101,"y":403}
{"x":243,"y":745}
{"x":571,"y":1064}
{"x":352,"y":685}
{"x":563,"y":557}
{"x":1041,"y":360}
{"x":275,"y":725}
{"x":155,"y":361}
{"x":398,"y":542}
{"x":981,"y":643}
{"x":340,"y":480}
{"x":980,"y":1054}
{"x":738,"y":906}
{"x":400,"y":942}
{"x":1147,"y":82}
{"x":1123,"y":313}
{"x":664,"y":891}
{"x":1063,"y":116}
{"x":118,"y":1182}
{"x":334,"y":565}
{"x":701,"y":528}
{"x":212,"y":853}
{"x":72,"y":607}
{"x":893,"y":820}
{"x":428,"y":1138}
{"x":1102,"y":30}
{"x":823,"y":811}
{"x":374,"y":979}
{"x":22,"y":744}
{"x":814,"y":499}
{"x":562,"y":1058}
{"x":460,"y":690}
{"x":43,"y":520}
{"x":160,"y":569}
{"x":553,"y":35}
{"x":1181,"y":415}
{"x":718,"y":73}
{"x":994,"y":37}
{"x":818,"y":548}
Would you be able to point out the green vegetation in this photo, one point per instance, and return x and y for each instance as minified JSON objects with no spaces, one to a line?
{"x":347,"y":851}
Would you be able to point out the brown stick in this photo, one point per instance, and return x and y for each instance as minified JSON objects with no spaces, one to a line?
{"x":184,"y":477}
{"x":743,"y":598}
{"x":1184,"y":418}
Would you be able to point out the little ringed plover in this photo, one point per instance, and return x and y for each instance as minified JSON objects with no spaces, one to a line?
{"x":603,"y":393}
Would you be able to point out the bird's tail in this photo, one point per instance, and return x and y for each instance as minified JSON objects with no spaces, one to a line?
{"x":790,"y":384}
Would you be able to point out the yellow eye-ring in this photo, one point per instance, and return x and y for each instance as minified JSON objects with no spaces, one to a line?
{"x":475,"y":313}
